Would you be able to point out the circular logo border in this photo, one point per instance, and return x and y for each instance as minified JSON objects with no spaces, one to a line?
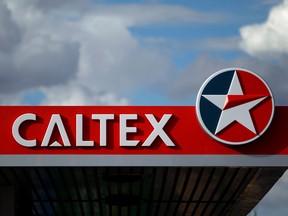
{"x":199,"y":114}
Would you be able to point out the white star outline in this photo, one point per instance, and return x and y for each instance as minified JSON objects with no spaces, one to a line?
{"x":240,"y":113}
{"x":236,"y":113}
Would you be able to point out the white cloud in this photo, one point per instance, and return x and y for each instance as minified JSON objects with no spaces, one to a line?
{"x":269,"y":38}
{"x":53,"y":44}
{"x":61,"y":45}
{"x":73,"y":94}
{"x":30,"y":58}
{"x":264,"y":43}
{"x":112,"y":59}
{"x":269,"y":41}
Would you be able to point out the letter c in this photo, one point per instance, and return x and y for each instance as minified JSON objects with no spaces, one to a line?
{"x":16,"y":126}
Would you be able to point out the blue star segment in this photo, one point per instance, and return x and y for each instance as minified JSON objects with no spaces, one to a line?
{"x":219,"y":85}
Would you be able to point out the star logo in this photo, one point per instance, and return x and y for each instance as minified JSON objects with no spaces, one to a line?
{"x":235,"y":106}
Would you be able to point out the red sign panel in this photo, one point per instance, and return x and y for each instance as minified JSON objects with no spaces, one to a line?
{"x":124,"y":130}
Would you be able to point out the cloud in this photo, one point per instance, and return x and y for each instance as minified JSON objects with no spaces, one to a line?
{"x":40,"y":61}
{"x":113,"y":60}
{"x":95,"y":50}
{"x":268,"y":41}
{"x":269,"y":38}
{"x":73,"y":94}
{"x":130,"y":14}
{"x":10,"y":33}
{"x":57,"y":43}
{"x":147,"y":14}
{"x":275,"y":201}
{"x":200,"y":45}
{"x":190,"y":82}
{"x":30,"y":58}
{"x":266,"y":46}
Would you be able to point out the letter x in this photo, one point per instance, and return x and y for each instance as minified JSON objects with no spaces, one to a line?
{"x":158,"y":130}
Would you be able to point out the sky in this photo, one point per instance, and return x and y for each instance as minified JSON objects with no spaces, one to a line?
{"x":143,"y":52}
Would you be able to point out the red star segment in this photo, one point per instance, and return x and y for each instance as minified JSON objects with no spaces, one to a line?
{"x":235,"y":100}
{"x":235,"y":106}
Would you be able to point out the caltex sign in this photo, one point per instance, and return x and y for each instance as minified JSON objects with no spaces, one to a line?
{"x":234,"y":106}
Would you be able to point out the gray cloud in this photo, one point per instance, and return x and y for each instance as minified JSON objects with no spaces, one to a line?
{"x":10,"y":34}
{"x":275,"y":202}
{"x":43,"y":62}
{"x":31,"y":57}
{"x":274,"y":74}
